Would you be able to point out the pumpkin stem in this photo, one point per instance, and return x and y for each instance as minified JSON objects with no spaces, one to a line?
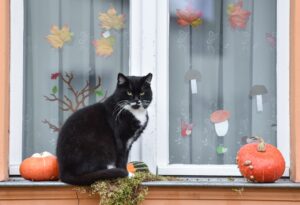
{"x":261,"y":147}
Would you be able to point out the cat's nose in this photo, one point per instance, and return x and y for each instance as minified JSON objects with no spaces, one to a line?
{"x":138,"y":102}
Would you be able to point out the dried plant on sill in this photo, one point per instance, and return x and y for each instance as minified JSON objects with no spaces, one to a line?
{"x":123,"y":191}
{"x":77,"y":101}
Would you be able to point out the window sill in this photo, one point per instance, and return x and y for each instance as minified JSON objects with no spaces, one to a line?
{"x":236,"y":182}
{"x":188,"y":191}
{"x":20,"y":182}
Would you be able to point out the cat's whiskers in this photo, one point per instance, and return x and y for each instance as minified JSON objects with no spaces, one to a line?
{"x":123,"y":108}
{"x":119,"y":105}
{"x":119,"y":108}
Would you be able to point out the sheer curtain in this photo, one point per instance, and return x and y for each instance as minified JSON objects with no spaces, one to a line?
{"x":231,"y":47}
{"x":46,"y":67}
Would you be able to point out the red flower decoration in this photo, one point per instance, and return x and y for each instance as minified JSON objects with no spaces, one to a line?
{"x":54,"y":76}
{"x":237,"y":16}
{"x":189,"y":16}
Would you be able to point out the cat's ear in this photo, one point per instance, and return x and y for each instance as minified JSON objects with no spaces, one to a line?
{"x":148,"y":78}
{"x":121,"y":79}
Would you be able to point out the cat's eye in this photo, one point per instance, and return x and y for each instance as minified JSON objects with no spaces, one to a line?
{"x":142,"y":93}
{"x":129,"y":93}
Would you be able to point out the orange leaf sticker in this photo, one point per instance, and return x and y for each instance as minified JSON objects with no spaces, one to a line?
{"x":104,"y":46}
{"x":59,"y":37}
{"x":237,"y":16}
{"x":189,"y":16}
{"x":110,"y":19}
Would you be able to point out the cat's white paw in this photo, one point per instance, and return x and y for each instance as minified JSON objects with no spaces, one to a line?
{"x":130,"y":175}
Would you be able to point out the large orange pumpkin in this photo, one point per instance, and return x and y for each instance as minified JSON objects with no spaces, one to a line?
{"x":40,"y":167}
{"x":260,"y":162}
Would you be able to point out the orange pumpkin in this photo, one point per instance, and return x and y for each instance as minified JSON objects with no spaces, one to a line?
{"x":40,"y":167}
{"x":260,"y":162}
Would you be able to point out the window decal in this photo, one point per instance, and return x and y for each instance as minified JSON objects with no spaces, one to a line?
{"x":189,"y":16}
{"x":54,"y":76}
{"x":221,"y":149}
{"x":193,"y":76}
{"x":186,"y":128}
{"x":271,"y":39}
{"x":257,"y":91}
{"x":54,"y":89}
{"x":59,"y":37}
{"x":110,"y":19}
{"x":220,"y":120}
{"x":104,"y":46}
{"x":106,"y":34}
{"x":237,"y":16}
{"x":75,"y":100}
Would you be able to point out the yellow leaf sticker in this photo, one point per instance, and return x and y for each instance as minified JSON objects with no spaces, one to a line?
{"x":110,"y":19}
{"x":59,"y":37}
{"x":104,"y":46}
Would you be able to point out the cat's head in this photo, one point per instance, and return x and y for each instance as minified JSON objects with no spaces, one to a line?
{"x":134,"y":92}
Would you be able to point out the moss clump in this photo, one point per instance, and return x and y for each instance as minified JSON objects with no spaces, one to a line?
{"x":124,"y":191}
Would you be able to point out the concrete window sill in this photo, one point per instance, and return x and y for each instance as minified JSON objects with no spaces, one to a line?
{"x":184,"y":182}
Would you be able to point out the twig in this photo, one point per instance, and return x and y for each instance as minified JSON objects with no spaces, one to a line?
{"x":68,"y":80}
{"x":68,"y":103}
{"x":86,"y":92}
{"x":51,"y":126}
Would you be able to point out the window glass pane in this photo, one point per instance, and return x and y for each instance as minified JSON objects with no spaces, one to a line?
{"x":222,"y":57}
{"x":68,"y":44}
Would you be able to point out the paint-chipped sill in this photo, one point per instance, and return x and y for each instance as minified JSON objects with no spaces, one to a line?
{"x":182,"y":182}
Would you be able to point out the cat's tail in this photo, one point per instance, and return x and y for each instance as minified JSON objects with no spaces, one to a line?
{"x":90,"y":178}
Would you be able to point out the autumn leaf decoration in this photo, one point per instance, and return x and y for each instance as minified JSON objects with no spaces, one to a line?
{"x":104,"y":46}
{"x":110,"y":19}
{"x":54,"y":76}
{"x":237,"y":16}
{"x":59,"y":37}
{"x":189,"y":16}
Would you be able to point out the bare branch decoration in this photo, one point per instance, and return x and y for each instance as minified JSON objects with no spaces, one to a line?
{"x":79,"y":96}
{"x":51,"y":126}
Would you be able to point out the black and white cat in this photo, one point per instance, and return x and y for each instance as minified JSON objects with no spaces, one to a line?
{"x":94,"y":142}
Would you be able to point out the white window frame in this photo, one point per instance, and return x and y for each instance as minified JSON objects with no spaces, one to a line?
{"x":283,"y":125}
{"x":16,"y":85}
{"x":149,"y":38}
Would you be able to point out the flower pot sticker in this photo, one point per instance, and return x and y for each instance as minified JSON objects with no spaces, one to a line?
{"x":257,"y":91}
{"x":220,"y":119}
{"x":193,"y":76}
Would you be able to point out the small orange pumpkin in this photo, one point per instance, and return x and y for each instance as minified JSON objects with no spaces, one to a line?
{"x":260,"y":162}
{"x":40,"y":167}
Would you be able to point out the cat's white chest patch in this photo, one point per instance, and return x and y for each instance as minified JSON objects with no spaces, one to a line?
{"x":139,"y":114}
